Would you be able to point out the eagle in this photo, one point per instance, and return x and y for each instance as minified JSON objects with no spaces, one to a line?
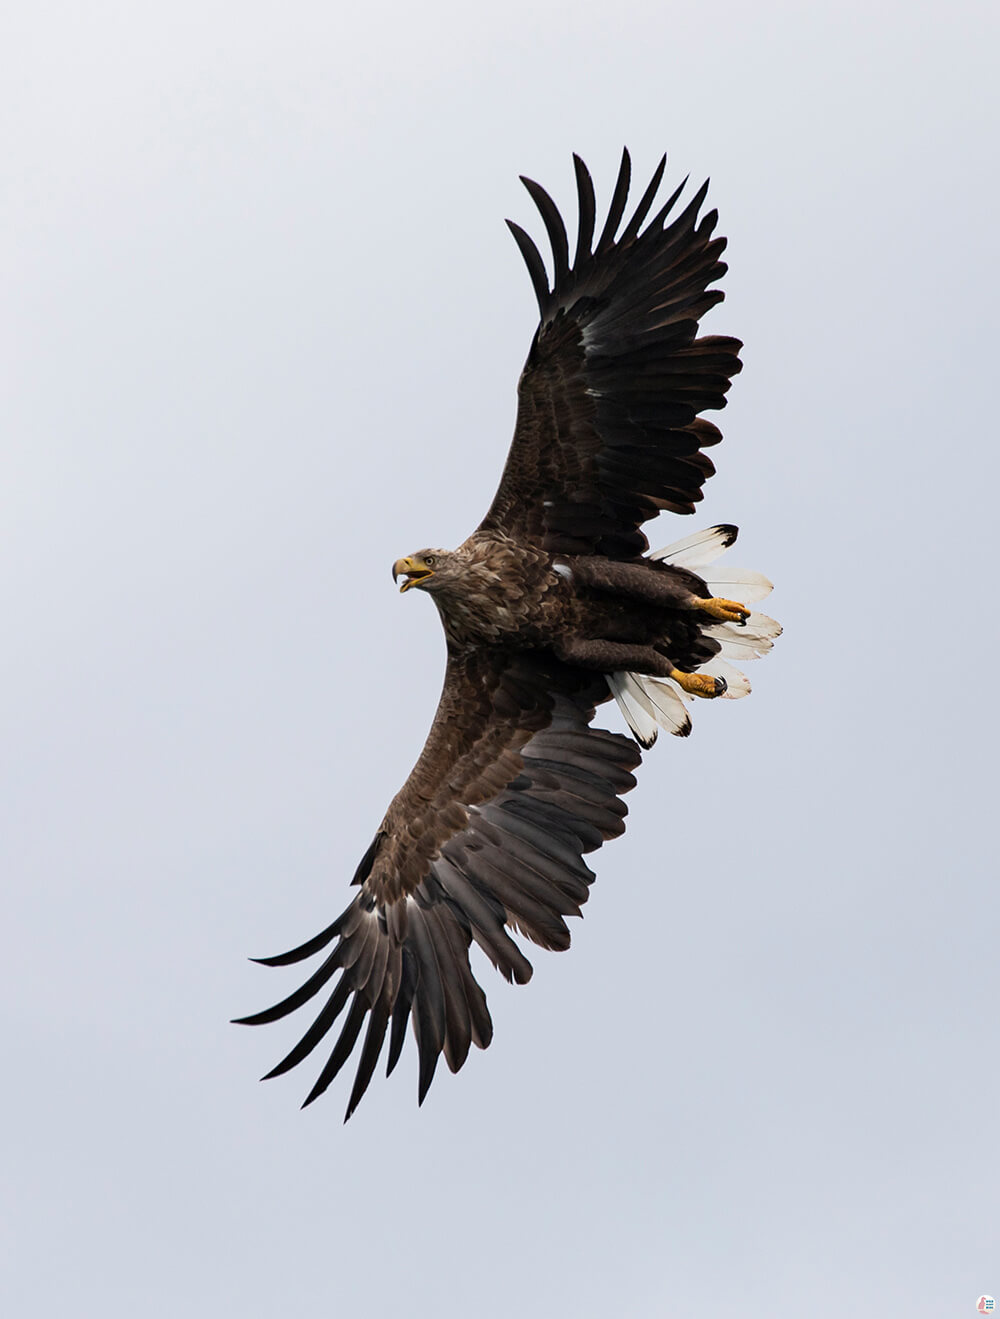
{"x":550,"y":608}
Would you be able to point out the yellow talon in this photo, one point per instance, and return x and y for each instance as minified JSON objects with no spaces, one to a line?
{"x":726,"y":611}
{"x":699,"y":684}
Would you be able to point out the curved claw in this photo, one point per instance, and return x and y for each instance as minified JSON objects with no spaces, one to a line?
{"x":700,"y":684}
{"x":726,"y":611}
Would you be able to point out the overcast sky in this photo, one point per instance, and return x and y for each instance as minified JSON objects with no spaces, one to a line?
{"x":265,"y":325}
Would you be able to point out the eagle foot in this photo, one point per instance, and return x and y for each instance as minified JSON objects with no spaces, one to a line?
{"x":699,"y":684}
{"x":726,"y":611}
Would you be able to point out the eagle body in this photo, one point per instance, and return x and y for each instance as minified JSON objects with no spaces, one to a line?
{"x":552,"y":607}
{"x":493,"y":591}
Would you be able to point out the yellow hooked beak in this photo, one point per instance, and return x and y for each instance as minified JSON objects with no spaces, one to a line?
{"x":414,"y":569}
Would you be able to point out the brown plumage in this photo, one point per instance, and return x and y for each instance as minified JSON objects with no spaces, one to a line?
{"x":548,"y":608}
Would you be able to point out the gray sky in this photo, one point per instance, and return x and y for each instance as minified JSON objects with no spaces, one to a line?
{"x":265,"y":324}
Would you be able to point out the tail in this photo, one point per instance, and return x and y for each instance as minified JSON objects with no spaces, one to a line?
{"x":650,"y":704}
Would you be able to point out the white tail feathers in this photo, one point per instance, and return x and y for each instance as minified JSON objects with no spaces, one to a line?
{"x":737,"y":584}
{"x":648,"y":703}
{"x":699,"y":549}
{"x":746,"y":643}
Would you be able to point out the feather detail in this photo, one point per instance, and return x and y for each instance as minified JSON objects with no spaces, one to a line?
{"x":648,"y":704}
{"x":636,"y":708}
{"x":666,"y":699}
{"x":741,"y":584}
{"x":699,"y":549}
{"x":745,"y":643}
{"x":761,"y":626}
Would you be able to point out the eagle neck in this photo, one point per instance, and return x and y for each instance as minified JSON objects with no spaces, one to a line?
{"x":493,"y":598}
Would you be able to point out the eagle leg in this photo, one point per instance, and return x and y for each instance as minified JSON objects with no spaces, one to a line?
{"x":611,"y":656}
{"x":726,"y":611}
{"x":616,"y":656}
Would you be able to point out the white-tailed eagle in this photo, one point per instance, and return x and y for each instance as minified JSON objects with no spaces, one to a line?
{"x":551,"y":607}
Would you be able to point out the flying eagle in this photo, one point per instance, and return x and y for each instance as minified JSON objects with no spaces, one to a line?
{"x":551,"y":607}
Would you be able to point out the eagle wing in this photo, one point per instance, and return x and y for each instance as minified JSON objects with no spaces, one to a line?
{"x":607,"y":430}
{"x":512,"y":789}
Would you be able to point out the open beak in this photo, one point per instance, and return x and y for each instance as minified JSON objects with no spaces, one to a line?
{"x":413,"y":570}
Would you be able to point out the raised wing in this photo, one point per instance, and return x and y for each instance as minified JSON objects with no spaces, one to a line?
{"x":607,"y":431}
{"x":512,"y":788}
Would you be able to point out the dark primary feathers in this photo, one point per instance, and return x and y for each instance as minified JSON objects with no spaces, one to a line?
{"x":514,"y":787}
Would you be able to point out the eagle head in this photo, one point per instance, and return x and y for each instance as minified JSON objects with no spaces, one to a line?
{"x":427,"y":569}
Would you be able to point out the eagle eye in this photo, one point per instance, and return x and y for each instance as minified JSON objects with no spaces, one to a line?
{"x":430,"y":560}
